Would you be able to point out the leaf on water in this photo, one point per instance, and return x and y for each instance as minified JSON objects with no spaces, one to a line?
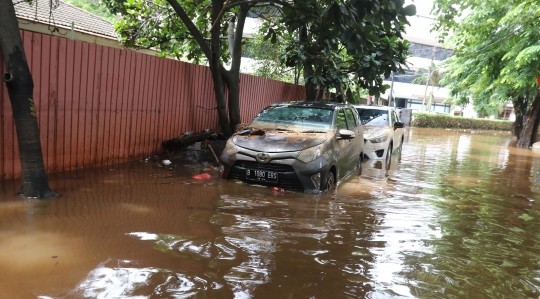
{"x":526,"y":217}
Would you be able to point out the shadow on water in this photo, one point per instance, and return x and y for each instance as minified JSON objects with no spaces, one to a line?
{"x":453,"y":215}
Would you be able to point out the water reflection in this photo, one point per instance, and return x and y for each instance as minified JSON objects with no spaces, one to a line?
{"x":454,"y":215}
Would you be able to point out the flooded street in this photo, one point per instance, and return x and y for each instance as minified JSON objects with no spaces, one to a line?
{"x":456,"y":216}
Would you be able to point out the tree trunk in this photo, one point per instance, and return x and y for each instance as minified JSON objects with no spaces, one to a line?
{"x":215,"y":68}
{"x":349,"y":96}
{"x":20,"y":89}
{"x":528,"y":134}
{"x":311,"y":92}
{"x":234,"y":103}
{"x":517,"y":127}
{"x":232,"y":78}
{"x":212,"y":53}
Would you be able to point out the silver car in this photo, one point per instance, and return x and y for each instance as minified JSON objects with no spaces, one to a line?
{"x":383,"y":130}
{"x":300,"y":146}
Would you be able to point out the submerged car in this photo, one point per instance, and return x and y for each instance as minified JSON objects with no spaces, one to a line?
{"x":383,"y":131}
{"x":300,"y":146}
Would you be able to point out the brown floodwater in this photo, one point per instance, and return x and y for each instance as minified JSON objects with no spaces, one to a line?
{"x":455,"y":215}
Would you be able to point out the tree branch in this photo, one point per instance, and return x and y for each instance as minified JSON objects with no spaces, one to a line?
{"x":192,"y":28}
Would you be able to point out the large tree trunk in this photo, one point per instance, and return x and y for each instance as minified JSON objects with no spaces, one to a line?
{"x":528,"y":134}
{"x":20,"y":89}
{"x":215,"y":68}
{"x":311,"y":89}
{"x":517,"y":127}
{"x":234,"y":103}
{"x":233,"y":77}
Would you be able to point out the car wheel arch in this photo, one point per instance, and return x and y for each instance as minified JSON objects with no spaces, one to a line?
{"x":332,"y":172}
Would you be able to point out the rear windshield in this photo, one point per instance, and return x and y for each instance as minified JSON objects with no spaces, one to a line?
{"x":373,"y":117}
{"x":294,"y":118}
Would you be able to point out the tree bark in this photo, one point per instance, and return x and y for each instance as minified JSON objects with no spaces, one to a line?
{"x":215,"y":65}
{"x":530,"y":128}
{"x":517,"y":127}
{"x":233,"y":80}
{"x":311,"y":92}
{"x":20,"y":88}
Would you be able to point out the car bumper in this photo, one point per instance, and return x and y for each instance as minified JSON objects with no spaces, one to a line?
{"x":375,"y":151}
{"x":293,"y":174}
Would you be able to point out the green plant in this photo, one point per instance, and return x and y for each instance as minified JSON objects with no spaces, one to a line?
{"x":432,"y":120}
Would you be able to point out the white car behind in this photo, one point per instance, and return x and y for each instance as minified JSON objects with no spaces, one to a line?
{"x":383,"y":131}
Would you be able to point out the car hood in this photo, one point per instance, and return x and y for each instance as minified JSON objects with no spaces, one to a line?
{"x":370,"y":131}
{"x":280,"y":142}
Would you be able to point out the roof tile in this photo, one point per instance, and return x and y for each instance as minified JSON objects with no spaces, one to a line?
{"x":63,"y":16}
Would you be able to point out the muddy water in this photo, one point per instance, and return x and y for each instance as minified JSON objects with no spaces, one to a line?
{"x":455,"y":215}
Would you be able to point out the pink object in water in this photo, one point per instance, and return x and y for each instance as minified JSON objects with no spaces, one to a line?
{"x":278,"y":189}
{"x":202,"y":176}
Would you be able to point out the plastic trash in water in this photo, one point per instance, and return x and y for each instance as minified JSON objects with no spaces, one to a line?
{"x":166,"y":162}
{"x":202,"y":176}
{"x":278,"y":189}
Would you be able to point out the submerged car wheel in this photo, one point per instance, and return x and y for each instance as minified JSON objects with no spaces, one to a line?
{"x":330,"y":181}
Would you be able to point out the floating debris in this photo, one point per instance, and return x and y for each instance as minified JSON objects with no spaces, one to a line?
{"x":202,"y":176}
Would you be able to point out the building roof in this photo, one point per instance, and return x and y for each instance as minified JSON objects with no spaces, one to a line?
{"x":63,"y":16}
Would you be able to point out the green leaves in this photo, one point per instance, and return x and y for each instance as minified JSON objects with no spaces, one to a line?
{"x":497,"y":51}
{"x":345,"y":40}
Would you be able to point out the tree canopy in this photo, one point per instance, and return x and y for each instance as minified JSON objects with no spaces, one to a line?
{"x":335,"y":41}
{"x":329,"y":41}
{"x":496,"y":56}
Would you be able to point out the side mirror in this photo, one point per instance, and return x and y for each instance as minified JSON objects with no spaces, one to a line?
{"x":398,"y":125}
{"x":346,"y":134}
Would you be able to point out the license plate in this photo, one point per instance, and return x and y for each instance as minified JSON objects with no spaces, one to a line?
{"x":261,"y":175}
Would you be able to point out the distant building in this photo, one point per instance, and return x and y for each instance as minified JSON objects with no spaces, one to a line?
{"x":425,"y":50}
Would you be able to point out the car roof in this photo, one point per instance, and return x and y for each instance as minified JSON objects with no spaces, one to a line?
{"x":314,"y":104}
{"x":374,"y":107}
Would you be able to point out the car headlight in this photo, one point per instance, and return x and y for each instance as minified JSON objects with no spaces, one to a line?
{"x":309,"y":154}
{"x":379,"y":138}
{"x":230,"y":147}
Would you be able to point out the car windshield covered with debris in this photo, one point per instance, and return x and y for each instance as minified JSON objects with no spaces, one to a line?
{"x":292,"y":118}
{"x":301,"y":146}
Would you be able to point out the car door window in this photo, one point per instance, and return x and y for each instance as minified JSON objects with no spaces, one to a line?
{"x":351,"y":120}
{"x":341,"y":122}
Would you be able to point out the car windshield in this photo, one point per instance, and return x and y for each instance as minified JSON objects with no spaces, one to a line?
{"x":294,"y":118}
{"x":373,"y":117}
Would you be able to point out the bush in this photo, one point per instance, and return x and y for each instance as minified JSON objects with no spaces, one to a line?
{"x":432,"y":120}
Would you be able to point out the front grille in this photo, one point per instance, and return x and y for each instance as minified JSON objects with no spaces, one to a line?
{"x":287,"y":178}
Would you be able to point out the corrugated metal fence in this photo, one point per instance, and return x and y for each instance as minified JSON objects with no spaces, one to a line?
{"x":98,"y":105}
